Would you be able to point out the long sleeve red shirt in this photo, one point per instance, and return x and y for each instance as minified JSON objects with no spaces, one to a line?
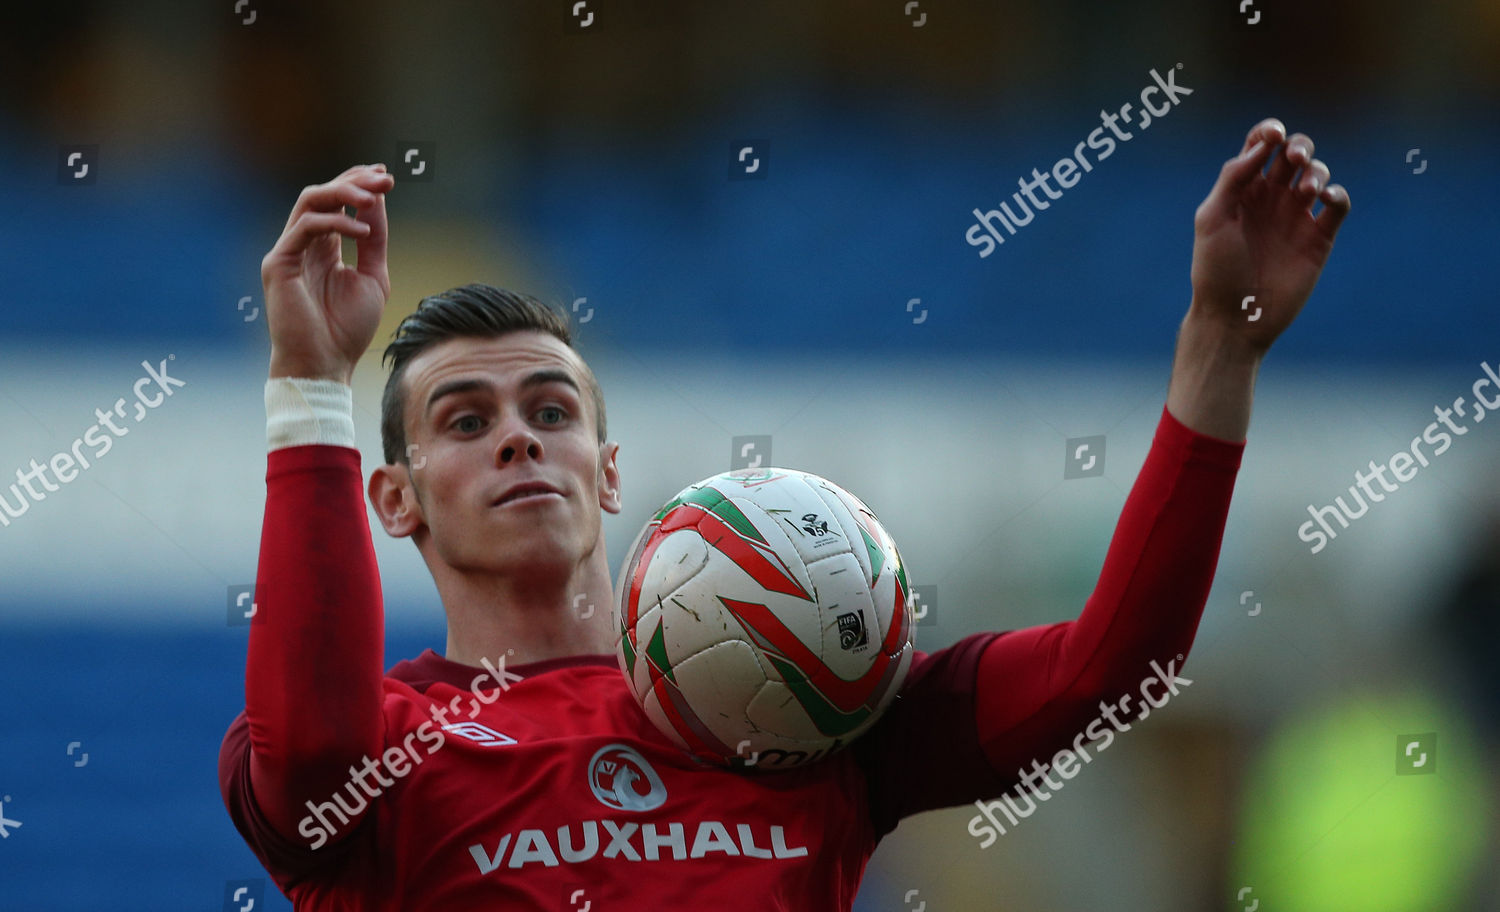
{"x":516,"y":803}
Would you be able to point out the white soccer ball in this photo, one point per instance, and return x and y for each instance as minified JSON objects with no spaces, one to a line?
{"x":765,"y":618}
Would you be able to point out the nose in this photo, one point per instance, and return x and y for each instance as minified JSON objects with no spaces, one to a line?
{"x":517,"y":438}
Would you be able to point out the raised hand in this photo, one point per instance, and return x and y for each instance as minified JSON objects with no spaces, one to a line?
{"x":1255,"y":234}
{"x":322,"y":314}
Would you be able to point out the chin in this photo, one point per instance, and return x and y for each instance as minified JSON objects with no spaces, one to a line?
{"x":532,"y":558}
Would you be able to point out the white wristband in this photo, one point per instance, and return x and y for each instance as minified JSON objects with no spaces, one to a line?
{"x":301,"y":411}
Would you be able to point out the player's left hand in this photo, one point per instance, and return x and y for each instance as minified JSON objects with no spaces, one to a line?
{"x":1255,"y":234}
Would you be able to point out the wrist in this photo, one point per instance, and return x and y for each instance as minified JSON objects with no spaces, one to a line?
{"x":286,"y":367}
{"x":1206,"y":329}
{"x":1213,"y":377}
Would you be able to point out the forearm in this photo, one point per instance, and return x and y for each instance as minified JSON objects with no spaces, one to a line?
{"x":1213,"y":376}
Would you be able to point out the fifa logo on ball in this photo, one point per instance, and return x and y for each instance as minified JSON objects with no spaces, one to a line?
{"x":852,"y":633}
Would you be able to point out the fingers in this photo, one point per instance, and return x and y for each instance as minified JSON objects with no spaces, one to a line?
{"x":1295,"y":159}
{"x":370,"y":248}
{"x":1335,"y":206}
{"x":1297,"y":153}
{"x":1312,"y":185}
{"x":1270,"y":131}
{"x":1314,"y":178}
{"x":1302,"y":179}
{"x":309,"y":227}
{"x":1259,"y":145}
{"x":1240,"y":171}
{"x":319,"y":212}
{"x":356,"y":187}
{"x":1295,"y":162}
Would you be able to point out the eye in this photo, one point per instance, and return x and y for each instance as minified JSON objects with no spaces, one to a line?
{"x":561,"y":415}
{"x":461,"y":419}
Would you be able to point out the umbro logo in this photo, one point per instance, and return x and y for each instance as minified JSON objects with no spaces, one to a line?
{"x":479,"y":734}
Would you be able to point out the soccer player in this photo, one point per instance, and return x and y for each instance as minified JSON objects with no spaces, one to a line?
{"x":515,"y":770}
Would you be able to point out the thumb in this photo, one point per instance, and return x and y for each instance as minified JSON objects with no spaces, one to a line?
{"x":370,"y":250}
{"x":1236,"y":175}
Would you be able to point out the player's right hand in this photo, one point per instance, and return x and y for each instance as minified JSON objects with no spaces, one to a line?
{"x":321,"y":313}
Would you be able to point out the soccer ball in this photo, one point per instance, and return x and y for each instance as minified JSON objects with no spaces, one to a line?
{"x":765,"y":619}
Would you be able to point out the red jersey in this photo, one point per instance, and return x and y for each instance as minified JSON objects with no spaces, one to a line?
{"x":544,"y":786}
{"x":562,"y":784}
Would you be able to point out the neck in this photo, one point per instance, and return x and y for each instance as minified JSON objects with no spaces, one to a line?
{"x":530,"y":620}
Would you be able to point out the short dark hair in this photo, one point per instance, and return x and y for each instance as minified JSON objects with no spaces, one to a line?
{"x":468,"y":311}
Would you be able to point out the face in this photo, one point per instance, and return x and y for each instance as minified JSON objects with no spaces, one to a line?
{"x":484,"y":416}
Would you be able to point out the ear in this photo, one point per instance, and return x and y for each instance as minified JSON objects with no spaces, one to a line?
{"x":395,"y":500}
{"x":609,"y":477}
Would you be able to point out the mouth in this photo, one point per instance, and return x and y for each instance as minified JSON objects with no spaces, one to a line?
{"x":530,"y":492}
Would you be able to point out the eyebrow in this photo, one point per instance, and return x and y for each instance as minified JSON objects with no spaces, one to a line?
{"x":536,"y":378}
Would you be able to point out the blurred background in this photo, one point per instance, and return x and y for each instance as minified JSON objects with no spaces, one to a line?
{"x":817,"y":293}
